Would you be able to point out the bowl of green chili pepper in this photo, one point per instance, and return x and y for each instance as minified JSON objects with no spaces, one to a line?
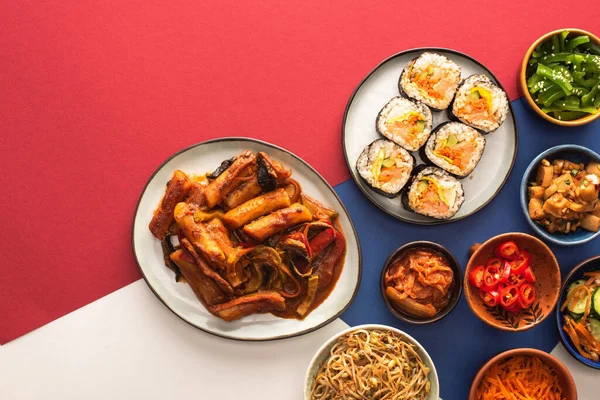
{"x":560,"y":77}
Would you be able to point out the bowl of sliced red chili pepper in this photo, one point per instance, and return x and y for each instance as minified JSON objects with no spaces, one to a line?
{"x":512,"y":282}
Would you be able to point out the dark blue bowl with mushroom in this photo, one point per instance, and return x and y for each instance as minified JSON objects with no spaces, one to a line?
{"x":559,"y":195}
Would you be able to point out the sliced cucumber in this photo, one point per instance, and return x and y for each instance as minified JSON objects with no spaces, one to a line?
{"x":575,"y":317}
{"x":452,"y":140}
{"x":575,"y":284}
{"x":388,"y":162}
{"x":420,"y":126}
{"x":594,"y":328}
{"x":576,"y":308}
{"x":596,"y":301}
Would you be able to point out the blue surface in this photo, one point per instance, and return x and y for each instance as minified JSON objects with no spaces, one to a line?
{"x":591,"y":265}
{"x":576,"y":154}
{"x":460,"y":343}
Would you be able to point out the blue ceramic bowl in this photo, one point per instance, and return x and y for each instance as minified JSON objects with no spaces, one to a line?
{"x":591,"y":264}
{"x":573,"y":153}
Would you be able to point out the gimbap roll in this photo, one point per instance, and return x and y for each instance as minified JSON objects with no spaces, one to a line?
{"x":405,"y":122}
{"x":434,"y":193}
{"x":430,"y":78}
{"x":480,"y":103}
{"x":385,"y":167}
{"x":455,"y":147}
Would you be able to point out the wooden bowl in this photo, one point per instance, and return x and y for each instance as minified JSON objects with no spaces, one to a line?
{"x":523,"y":79}
{"x":564,"y":376}
{"x":454,"y":295}
{"x":547,"y":285}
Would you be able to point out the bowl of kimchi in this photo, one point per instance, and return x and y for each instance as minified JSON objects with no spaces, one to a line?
{"x":421,"y":282}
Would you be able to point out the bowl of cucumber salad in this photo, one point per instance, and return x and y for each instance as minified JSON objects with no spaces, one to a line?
{"x":578,"y":312}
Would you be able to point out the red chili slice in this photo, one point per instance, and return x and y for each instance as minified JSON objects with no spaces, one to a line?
{"x":517,"y":266}
{"x":528,"y":275}
{"x":526,"y":255}
{"x":490,"y":298}
{"x":526,"y":295}
{"x":476,"y":276}
{"x":508,"y":296}
{"x":501,"y":286}
{"x":496,"y":262}
{"x":321,"y":241}
{"x":491,"y":277}
{"x":508,"y":251}
{"x":516,"y":279}
{"x":505,"y":274}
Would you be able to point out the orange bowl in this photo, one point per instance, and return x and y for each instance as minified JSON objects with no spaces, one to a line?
{"x":523,"y":79}
{"x":565,"y":380}
{"x":547,"y":285}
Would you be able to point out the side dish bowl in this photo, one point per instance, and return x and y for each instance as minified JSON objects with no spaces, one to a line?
{"x":323,"y":353}
{"x":455,"y":293}
{"x":565,"y":380}
{"x":544,"y":266}
{"x":591,"y":264}
{"x":523,"y":78}
{"x":571,"y":152}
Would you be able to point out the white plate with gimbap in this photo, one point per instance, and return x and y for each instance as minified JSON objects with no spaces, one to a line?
{"x":430,"y":136}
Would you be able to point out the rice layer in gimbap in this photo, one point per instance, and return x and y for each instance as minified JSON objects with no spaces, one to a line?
{"x":480,"y":103}
{"x":455,"y":147}
{"x":430,"y":78}
{"x":434,"y":193}
{"x":405,"y":122}
{"x":385,"y":167}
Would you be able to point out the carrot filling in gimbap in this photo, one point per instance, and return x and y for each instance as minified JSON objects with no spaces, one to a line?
{"x":431,"y":196}
{"x":432,"y":82}
{"x":459,"y":153}
{"x":478,"y":106}
{"x":408,"y":125}
{"x":433,"y":192}
{"x":386,"y":169}
{"x":405,"y":122}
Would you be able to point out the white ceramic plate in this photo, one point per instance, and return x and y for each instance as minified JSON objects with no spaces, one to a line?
{"x":358,"y":130}
{"x":180,"y":299}
{"x":323,"y":353}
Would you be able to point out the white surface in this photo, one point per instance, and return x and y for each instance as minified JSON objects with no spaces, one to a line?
{"x":586,"y":379}
{"x":359,"y":128}
{"x":127,"y":345}
{"x":180,"y":298}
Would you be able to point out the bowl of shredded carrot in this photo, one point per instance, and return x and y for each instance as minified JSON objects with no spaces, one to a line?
{"x":523,"y":374}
